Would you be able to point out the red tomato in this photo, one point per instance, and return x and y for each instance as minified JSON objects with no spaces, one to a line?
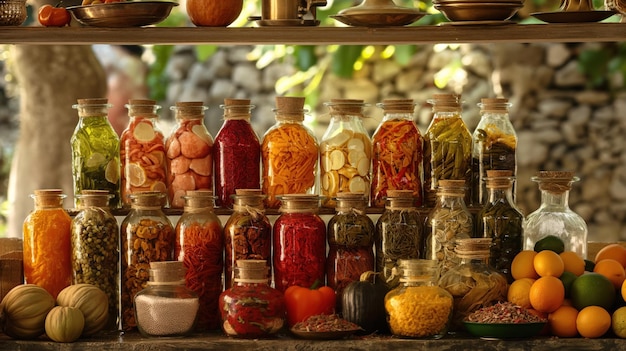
{"x":302,"y":303}
{"x":51,"y":16}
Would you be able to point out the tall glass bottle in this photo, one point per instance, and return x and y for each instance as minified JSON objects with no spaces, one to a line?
{"x":236,"y":152}
{"x":95,"y":151}
{"x":554,"y":217}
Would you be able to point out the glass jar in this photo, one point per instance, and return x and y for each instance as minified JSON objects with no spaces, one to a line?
{"x":418,"y":308}
{"x":166,"y":307}
{"x":447,"y":146}
{"x":199,"y":245}
{"x":237,"y":152}
{"x":447,"y":222}
{"x":142,"y":148}
{"x":345,"y":151}
{"x":188,"y":151}
{"x":95,"y":151}
{"x":494,"y":146}
{"x":501,"y":221}
{"x":47,"y":242}
{"x":251,"y":308}
{"x":351,"y":241}
{"x":473,"y":283}
{"x":247,"y":232}
{"x":398,"y":154}
{"x":147,"y":236}
{"x":95,"y":248}
{"x":299,"y":242}
{"x":289,"y":153}
{"x":398,"y":234}
{"x":554,"y":217}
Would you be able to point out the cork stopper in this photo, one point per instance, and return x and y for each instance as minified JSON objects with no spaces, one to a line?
{"x":199,"y":199}
{"x":142,"y":107}
{"x":348,"y":200}
{"x":46,"y":198}
{"x":451,"y":187}
{"x":167,"y":272}
{"x":189,"y":109}
{"x":494,"y":105}
{"x":248,"y":198}
{"x":445,"y":102}
{"x":289,"y":108}
{"x":417,"y":269}
{"x":497,"y":179}
{"x":473,"y":247}
{"x":93,"y":101}
{"x":94,"y":198}
{"x":346,"y":107}
{"x":299,"y":203}
{"x":93,"y":107}
{"x":397,"y":105}
{"x":400,"y":200}
{"x":555,"y":182}
{"x":251,"y":271}
{"x":237,"y":108}
{"x":147,"y":200}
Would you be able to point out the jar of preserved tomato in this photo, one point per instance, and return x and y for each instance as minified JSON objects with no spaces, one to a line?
{"x":289,"y":153}
{"x":189,"y":153}
{"x":299,"y":242}
{"x":345,"y":151}
{"x":397,"y":156}
{"x":199,"y":245}
{"x":95,"y":248}
{"x":95,"y":151}
{"x":147,"y":236}
{"x":247,"y":232}
{"x":142,"y":148}
{"x":47,"y":242}
{"x":251,"y":308}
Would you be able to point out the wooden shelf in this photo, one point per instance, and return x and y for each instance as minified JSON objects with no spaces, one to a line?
{"x":569,"y":32}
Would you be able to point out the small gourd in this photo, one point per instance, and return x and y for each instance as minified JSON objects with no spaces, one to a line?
{"x":25,"y":308}
{"x":363,"y":303}
{"x":64,"y":324}
{"x":91,"y":301}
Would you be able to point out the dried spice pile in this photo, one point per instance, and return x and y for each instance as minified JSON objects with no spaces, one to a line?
{"x":325,"y":323}
{"x":504,"y":312}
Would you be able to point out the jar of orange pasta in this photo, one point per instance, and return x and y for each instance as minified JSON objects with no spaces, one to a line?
{"x":289,"y":153}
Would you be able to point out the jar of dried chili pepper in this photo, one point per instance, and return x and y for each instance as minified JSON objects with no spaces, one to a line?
{"x":147,"y":236}
{"x":47,"y":242}
{"x":142,"y":151}
{"x":247,"y":232}
{"x":189,"y":153}
{"x":397,"y":153}
{"x":299,"y":242}
{"x":351,"y":241}
{"x":237,"y":152}
{"x":345,"y":151}
{"x":289,"y":153}
{"x":200,"y":245}
{"x":251,"y":308}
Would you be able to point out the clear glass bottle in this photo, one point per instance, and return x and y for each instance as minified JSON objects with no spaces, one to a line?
{"x":251,"y":308}
{"x":95,"y":151}
{"x":447,"y":146}
{"x":399,"y":233}
{"x":147,"y":236}
{"x":236,"y":152}
{"x":447,"y":222}
{"x":418,"y":308}
{"x":345,"y":151}
{"x":501,"y":221}
{"x":189,"y":153}
{"x":166,"y":308}
{"x":289,"y":153}
{"x":95,"y":248}
{"x":247,"y":232}
{"x":494,"y":146}
{"x":47,"y":242}
{"x":199,"y":245}
{"x":397,"y":153}
{"x":142,"y":151}
{"x":554,"y":217}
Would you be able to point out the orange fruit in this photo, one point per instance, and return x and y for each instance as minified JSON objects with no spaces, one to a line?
{"x":548,"y":263}
{"x":562,"y":322}
{"x":522,"y":265}
{"x":611,"y":269}
{"x":519,"y":292}
{"x":593,"y":322}
{"x":614,"y":251}
{"x":547,"y":294}
{"x":623,"y":290}
{"x":592,"y":289}
{"x":572,"y":262}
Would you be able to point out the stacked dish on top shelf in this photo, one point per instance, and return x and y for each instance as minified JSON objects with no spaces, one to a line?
{"x":478,"y":10}
{"x":378,"y":13}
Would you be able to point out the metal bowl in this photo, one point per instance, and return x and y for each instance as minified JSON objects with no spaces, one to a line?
{"x":379,"y":19}
{"x":123,"y":14}
{"x":486,"y":11}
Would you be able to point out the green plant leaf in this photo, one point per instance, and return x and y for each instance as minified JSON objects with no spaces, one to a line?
{"x":594,"y":65}
{"x":344,"y":59}
{"x":203,"y":52}
{"x":404,"y":53}
{"x":305,"y":56}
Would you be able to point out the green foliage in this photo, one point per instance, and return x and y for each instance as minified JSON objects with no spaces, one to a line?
{"x":156,"y":80}
{"x":600,"y":64}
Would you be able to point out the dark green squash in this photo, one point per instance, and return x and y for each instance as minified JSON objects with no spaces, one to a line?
{"x":363,"y":303}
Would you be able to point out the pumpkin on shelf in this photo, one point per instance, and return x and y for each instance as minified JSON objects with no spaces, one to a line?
{"x":64,"y":324}
{"x":25,"y":308}
{"x":363,"y":303}
{"x":91,"y":301}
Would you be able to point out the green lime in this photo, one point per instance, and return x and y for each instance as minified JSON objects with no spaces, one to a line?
{"x":568,"y":279}
{"x":589,"y":265}
{"x":550,"y":242}
{"x":593,"y":289}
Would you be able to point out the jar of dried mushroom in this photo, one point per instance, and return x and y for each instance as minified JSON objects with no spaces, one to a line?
{"x":247,"y":232}
{"x":345,"y":151}
{"x":447,"y":146}
{"x":147,"y":236}
{"x":398,"y":234}
{"x":473,"y":283}
{"x":448,"y":221}
{"x":95,"y":247}
{"x":418,"y":308}
{"x":350,"y":240}
{"x":199,"y":245}
{"x":501,"y":221}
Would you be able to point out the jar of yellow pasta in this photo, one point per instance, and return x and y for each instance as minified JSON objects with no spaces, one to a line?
{"x":418,"y":308}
